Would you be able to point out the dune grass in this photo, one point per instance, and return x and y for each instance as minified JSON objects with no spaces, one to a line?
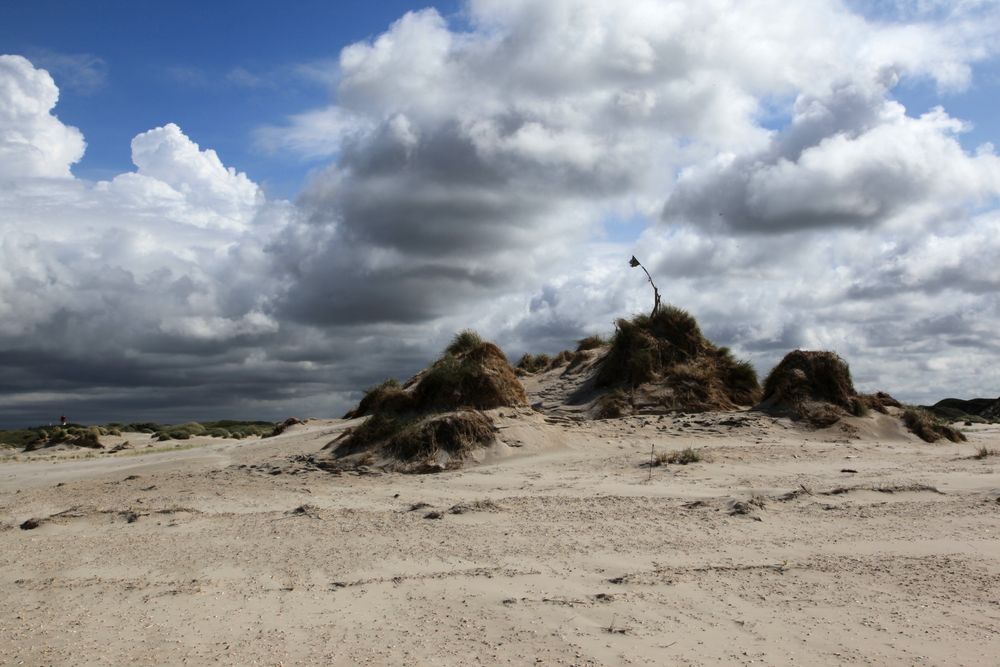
{"x":816,"y":386}
{"x":438,"y":411}
{"x":464,"y":341}
{"x":669,"y":349}
{"x":681,"y":457}
{"x":805,"y":375}
{"x":591,"y":343}
{"x":534,"y":363}
{"x":928,"y":427}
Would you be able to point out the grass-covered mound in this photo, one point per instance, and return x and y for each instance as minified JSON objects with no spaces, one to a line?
{"x":436,"y":416}
{"x":416,"y":438}
{"x":479,"y":377}
{"x":667,"y":360}
{"x":816,"y":387}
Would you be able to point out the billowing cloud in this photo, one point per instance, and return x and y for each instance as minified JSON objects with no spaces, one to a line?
{"x":173,"y":171}
{"x":480,"y":175}
{"x":32,"y":141}
{"x":466,"y":163}
{"x":850,"y":157}
{"x":150,"y":280}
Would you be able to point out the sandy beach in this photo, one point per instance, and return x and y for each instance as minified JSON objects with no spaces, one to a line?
{"x":560,"y":547}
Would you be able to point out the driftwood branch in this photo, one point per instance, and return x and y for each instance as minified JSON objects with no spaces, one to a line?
{"x":656,"y":293}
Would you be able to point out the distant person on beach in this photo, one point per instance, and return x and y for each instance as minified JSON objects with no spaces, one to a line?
{"x":62,"y":420}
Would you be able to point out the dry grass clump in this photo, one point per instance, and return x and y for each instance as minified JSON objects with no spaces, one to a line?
{"x":643,"y":347}
{"x":90,"y":438}
{"x":533,"y":363}
{"x":464,"y":341}
{"x":929,"y":427}
{"x":480,"y":378}
{"x":879,"y":402}
{"x":437,"y":412}
{"x":563,"y":358}
{"x":375,"y":398}
{"x":985,"y":452}
{"x":669,"y":351}
{"x":816,"y":387}
{"x":810,"y":376}
{"x":279,"y":428}
{"x":590,"y":343}
{"x":456,"y":433}
{"x":678,"y":457}
{"x":539,"y":363}
{"x":411,"y":437}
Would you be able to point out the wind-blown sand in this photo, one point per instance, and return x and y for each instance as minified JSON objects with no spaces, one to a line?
{"x":559,"y":548}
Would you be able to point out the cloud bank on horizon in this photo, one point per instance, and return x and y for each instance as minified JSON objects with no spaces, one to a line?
{"x":475,"y":176}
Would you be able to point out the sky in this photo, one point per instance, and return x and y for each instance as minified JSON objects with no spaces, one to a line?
{"x":240,"y":210}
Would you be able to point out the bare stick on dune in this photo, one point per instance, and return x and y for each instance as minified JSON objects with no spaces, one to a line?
{"x":656,"y":293}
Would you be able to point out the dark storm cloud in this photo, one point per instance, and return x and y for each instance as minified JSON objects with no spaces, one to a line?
{"x":405,"y":235}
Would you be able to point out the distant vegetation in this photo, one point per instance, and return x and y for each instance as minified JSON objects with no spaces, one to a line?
{"x":976,"y":410}
{"x":88,"y":436}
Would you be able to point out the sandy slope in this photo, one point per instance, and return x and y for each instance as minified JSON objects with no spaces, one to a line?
{"x":567,"y":552}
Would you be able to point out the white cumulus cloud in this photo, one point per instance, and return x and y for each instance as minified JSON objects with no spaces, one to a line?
{"x":33,"y":142}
